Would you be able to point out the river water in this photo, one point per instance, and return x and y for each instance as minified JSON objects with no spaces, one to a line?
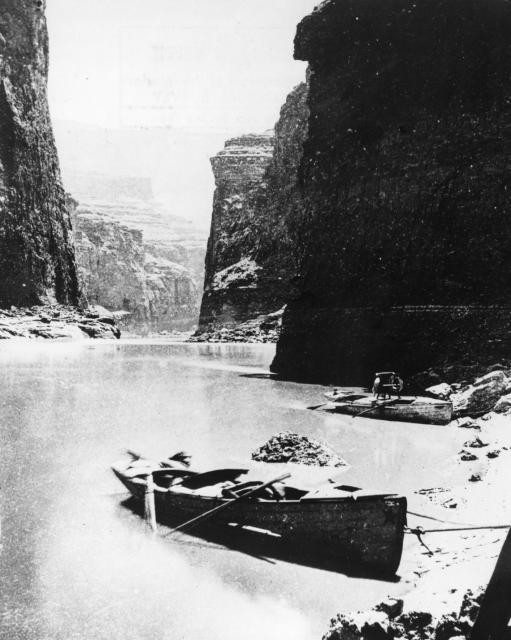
{"x":76,"y":563}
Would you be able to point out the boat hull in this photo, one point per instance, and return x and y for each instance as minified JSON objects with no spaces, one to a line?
{"x":424,"y":411}
{"x":364,"y":532}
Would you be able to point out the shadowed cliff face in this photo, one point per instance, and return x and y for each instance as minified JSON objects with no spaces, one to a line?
{"x":249,"y":264}
{"x":36,"y":251}
{"x":406,"y":188}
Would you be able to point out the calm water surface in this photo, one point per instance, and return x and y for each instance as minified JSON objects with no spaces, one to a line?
{"x":77,"y":564}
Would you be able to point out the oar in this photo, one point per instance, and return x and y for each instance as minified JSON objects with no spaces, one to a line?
{"x":376,"y":406}
{"x":211,"y":512}
{"x":318,"y":406}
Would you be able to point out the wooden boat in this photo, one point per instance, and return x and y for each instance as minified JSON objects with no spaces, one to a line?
{"x":406,"y":408}
{"x":359,"y":528}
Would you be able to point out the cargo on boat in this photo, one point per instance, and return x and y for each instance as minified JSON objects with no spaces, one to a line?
{"x":357,"y":527}
{"x":406,"y":408}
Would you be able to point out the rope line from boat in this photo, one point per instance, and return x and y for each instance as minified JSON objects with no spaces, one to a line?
{"x":489,"y":527}
{"x":464,"y":525}
{"x":420,"y":531}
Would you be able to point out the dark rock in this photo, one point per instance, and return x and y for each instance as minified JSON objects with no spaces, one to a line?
{"x":36,"y":248}
{"x":475,"y":477}
{"x":447,"y":628}
{"x":470,"y":605}
{"x":476,"y":443}
{"x":493,"y":454}
{"x":425,"y":379}
{"x":413,"y":625}
{"x":403,"y":198}
{"x":466,"y":456}
{"x":393,"y":607}
{"x":482,"y":396}
{"x":370,"y":626}
{"x":504,"y":403}
{"x":251,"y":264}
{"x":99,"y":330}
{"x":415,"y":621}
{"x":467,"y":423}
{"x":292,"y":447}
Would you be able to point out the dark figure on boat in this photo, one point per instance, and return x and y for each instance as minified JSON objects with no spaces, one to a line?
{"x":386,"y":384}
{"x":398,"y":384}
{"x":376,"y":386}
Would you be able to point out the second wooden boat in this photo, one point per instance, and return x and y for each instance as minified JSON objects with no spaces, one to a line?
{"x":406,"y":409}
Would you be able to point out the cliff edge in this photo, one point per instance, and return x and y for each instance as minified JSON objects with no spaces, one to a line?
{"x":249,"y":262}
{"x":404,"y":250}
{"x":36,"y":250}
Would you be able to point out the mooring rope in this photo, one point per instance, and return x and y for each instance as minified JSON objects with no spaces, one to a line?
{"x":461,"y":526}
{"x":420,"y":531}
{"x":480,"y":528}
{"x":422,"y":515}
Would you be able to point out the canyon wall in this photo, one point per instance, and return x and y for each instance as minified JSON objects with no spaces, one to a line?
{"x":36,"y":251}
{"x":405,"y":250}
{"x":135,"y":257}
{"x":249,"y":264}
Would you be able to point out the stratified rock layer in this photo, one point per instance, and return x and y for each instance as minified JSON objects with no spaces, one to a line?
{"x":36,"y":251}
{"x":250,"y":263}
{"x":405,"y":249}
{"x":120,"y":271}
{"x":134,"y":255}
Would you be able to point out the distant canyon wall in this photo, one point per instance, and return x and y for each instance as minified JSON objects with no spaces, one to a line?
{"x":36,"y":250}
{"x":249,"y":263}
{"x":404,"y":251}
{"x":132,"y":257}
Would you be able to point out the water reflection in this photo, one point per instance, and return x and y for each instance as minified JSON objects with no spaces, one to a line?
{"x":76,"y":564}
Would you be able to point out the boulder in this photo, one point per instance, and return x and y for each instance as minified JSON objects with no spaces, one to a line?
{"x":476,"y":443}
{"x":504,"y":404}
{"x":471,"y":604}
{"x":372,"y":625}
{"x":447,"y":628}
{"x":466,"y":456}
{"x":393,"y":607}
{"x":481,"y":396}
{"x":467,"y":423}
{"x":493,"y":376}
{"x":442,"y":391}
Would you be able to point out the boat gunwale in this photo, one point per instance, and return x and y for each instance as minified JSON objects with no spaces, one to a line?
{"x":220,"y":499}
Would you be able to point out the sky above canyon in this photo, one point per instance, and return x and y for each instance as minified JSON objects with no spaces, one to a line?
{"x":199,"y":71}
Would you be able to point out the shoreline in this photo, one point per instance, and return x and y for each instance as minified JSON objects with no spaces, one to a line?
{"x":57,"y":322}
{"x":438,"y":575}
{"x":430,"y":585}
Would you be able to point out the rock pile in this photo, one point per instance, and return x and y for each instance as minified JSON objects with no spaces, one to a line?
{"x":488,"y":392}
{"x":388,"y":621}
{"x":292,"y":447}
{"x":264,"y":328}
{"x":58,"y":322}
